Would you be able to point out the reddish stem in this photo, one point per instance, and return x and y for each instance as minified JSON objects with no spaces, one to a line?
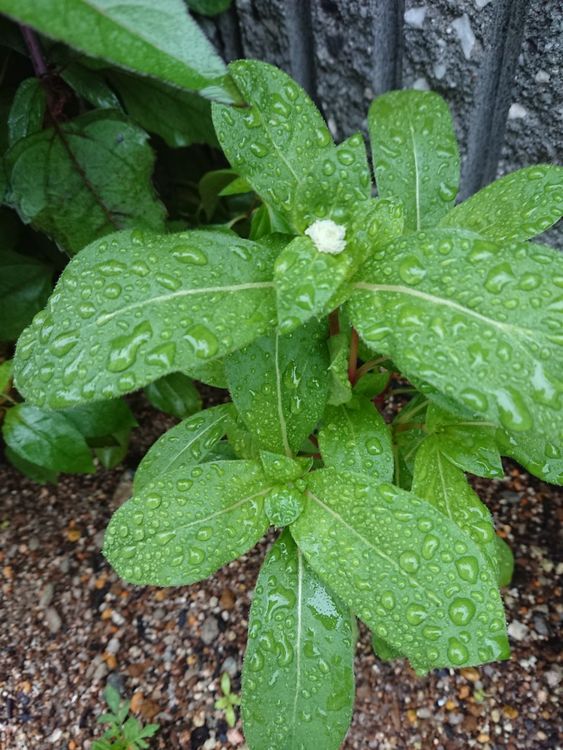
{"x":333,"y":323}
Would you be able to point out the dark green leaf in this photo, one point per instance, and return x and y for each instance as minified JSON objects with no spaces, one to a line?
{"x":101,"y":418}
{"x":89,"y":84}
{"x":84,"y":179}
{"x":174,"y":394}
{"x":208,"y":7}
{"x":383,"y":650}
{"x":414,"y":577}
{"x":34,"y":472}
{"x":5,"y":376}
{"x":183,"y":446}
{"x":46,"y":438}
{"x":115,"y":450}
{"x":279,"y":385}
{"x":499,"y":351}
{"x":298,"y":673}
{"x":372,"y":383}
{"x":415,"y":154}
{"x":161,"y":42}
{"x":25,"y":284}
{"x":210,"y":187}
{"x":355,"y":438}
{"x":135,"y":307}
{"x":27,"y":111}
{"x":516,"y":207}
{"x":340,"y":388}
{"x":183,"y":527}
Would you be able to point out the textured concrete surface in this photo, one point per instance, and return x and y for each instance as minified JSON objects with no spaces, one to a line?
{"x":498,"y":63}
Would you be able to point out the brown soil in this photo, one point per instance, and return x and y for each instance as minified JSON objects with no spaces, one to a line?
{"x":68,"y":626}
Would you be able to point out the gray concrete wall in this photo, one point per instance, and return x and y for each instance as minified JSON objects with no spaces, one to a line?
{"x":498,"y":63}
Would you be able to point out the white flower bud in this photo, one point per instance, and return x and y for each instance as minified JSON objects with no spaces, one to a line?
{"x":327,"y":235}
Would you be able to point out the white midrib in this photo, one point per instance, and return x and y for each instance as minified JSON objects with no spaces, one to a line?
{"x":281,"y":415}
{"x":393,"y":563}
{"x":222,"y":512}
{"x":398,"y":289}
{"x":298,"y":636}
{"x":162,"y":298}
{"x":416,"y":177}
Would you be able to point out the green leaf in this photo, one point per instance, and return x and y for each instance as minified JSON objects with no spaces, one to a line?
{"x":114,"y":451}
{"x":535,"y":453}
{"x":25,"y":284}
{"x":516,"y":207}
{"x":445,"y":486}
{"x":210,"y":187}
{"x":5,"y":376}
{"x":505,"y":561}
{"x":47,"y":439}
{"x":185,"y":526}
{"x":164,"y":43}
{"x":36,"y":473}
{"x":89,"y":84}
{"x":415,"y":154}
{"x":102,"y":418}
{"x":238,"y":186}
{"x":355,"y":438}
{"x":279,"y":385}
{"x":174,"y":394}
{"x":84,"y":179}
{"x":282,"y":468}
{"x":112,"y":698}
{"x":340,"y":388}
{"x":449,"y":308}
{"x":240,"y":439}
{"x":284,"y":504}
{"x":134,"y":307}
{"x":208,"y":7}
{"x":27,"y":111}
{"x":383,"y":650}
{"x":179,"y":117}
{"x":299,"y":662}
{"x":410,"y":573}
{"x":470,"y":444}
{"x":372,"y":383}
{"x":210,"y":373}
{"x":273,"y":142}
{"x":184,"y":446}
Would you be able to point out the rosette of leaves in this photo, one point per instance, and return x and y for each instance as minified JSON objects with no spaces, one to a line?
{"x":377,"y":521}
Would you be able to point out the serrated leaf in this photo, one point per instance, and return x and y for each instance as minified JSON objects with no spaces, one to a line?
{"x":279,"y":385}
{"x":183,"y":446}
{"x":179,"y":117}
{"x":47,"y":439}
{"x":174,"y":394}
{"x":299,"y":658}
{"x":272,"y":142}
{"x":515,"y":207}
{"x":141,"y":306}
{"x":470,"y":444}
{"x":84,"y":179}
{"x":101,"y":418}
{"x":537,"y":454}
{"x":27,"y":110}
{"x":410,"y":573}
{"x":415,"y":154}
{"x":479,"y":321}
{"x":355,"y":438}
{"x":185,"y":526}
{"x":25,"y":284}
{"x":164,"y":43}
{"x":437,"y":480}
{"x":340,"y":388}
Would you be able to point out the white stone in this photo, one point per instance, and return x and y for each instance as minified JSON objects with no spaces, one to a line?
{"x":421,"y":84}
{"x":542,"y":76}
{"x":327,"y":235}
{"x":517,"y":630}
{"x":462,"y":28}
{"x":415,"y":17}
{"x":439,"y":70}
{"x":517,"y":112}
{"x":481,"y":3}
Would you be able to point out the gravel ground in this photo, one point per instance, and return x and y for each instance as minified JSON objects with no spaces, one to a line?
{"x":68,"y":626}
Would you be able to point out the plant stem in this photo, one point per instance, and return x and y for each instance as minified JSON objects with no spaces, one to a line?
{"x":35,"y":52}
{"x":369,"y":365}
{"x":353,"y":357}
{"x":333,"y":323}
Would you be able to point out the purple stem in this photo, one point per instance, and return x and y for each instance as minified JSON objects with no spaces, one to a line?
{"x":37,"y":59}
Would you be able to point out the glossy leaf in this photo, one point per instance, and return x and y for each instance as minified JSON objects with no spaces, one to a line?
{"x":415,"y":154}
{"x":478,"y":320}
{"x":25,"y":284}
{"x":114,"y":448}
{"x":88,"y":177}
{"x":340,"y":387}
{"x":515,"y":207}
{"x":101,"y":418}
{"x":174,"y":394}
{"x":537,"y":454}
{"x":90,"y":85}
{"x":38,"y":474}
{"x":470,"y":444}
{"x":505,"y":562}
{"x":27,"y":111}
{"x":135,"y":307}
{"x":410,"y":573}
{"x":437,"y":480}
{"x":183,"y":446}
{"x":272,"y":142}
{"x":279,"y":385}
{"x":179,"y":117}
{"x":355,"y":438}
{"x":299,"y":661}
{"x":47,"y":439}
{"x":184,"y":526}
{"x":164,"y":43}
{"x":210,"y":373}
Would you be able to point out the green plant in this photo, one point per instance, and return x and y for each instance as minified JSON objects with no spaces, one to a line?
{"x":228,"y":701}
{"x":124,"y":732}
{"x":305,"y":322}
{"x":77,"y":164}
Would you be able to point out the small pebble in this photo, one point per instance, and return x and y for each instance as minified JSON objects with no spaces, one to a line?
{"x":53,"y":620}
{"x":209,"y":630}
{"x":518,"y":630}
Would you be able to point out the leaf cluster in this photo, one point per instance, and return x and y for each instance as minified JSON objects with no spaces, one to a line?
{"x":124,"y":732}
